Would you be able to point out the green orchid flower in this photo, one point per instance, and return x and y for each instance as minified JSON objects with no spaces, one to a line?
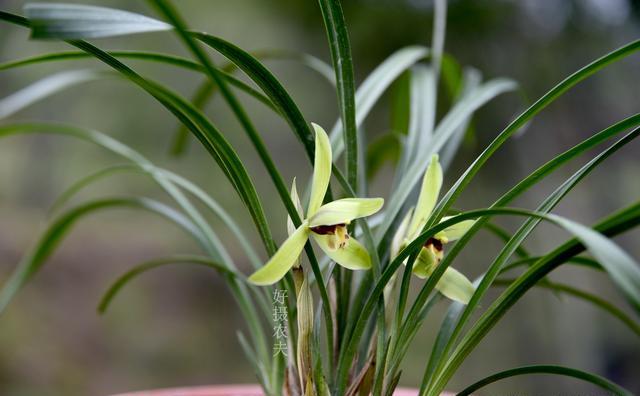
{"x":453,"y":284}
{"x":325,"y":224}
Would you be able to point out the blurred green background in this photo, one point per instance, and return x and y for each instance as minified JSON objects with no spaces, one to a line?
{"x":176,"y":326}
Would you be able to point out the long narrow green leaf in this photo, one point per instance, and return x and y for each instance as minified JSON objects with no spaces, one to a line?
{"x":206,"y":91}
{"x":77,"y":186}
{"x":547,"y":369}
{"x":52,"y":236}
{"x":420,"y":121}
{"x":338,"y":38}
{"x":376,"y":83}
{"x":62,"y":56}
{"x":523,"y":118}
{"x":437,"y":45}
{"x":69,"y":21}
{"x":139,"y":269}
{"x":622,"y":269}
{"x":615,"y":224}
{"x":46,"y":87}
{"x":505,"y":236}
{"x":585,"y":296}
{"x":268,"y":83}
{"x":586,"y":262}
{"x":470,"y":80}
{"x":178,"y":180}
{"x":138,"y":55}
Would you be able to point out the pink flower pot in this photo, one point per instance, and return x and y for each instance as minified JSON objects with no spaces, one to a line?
{"x":234,"y":390}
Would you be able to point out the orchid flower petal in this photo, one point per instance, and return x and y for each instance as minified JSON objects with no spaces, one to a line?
{"x":281,"y":262}
{"x":455,"y":286}
{"x":321,"y":170}
{"x":352,"y":256}
{"x":296,"y":202}
{"x":425,"y":263}
{"x":431,"y":184}
{"x":397,"y":244}
{"x":343,"y":211}
{"x":454,"y":232}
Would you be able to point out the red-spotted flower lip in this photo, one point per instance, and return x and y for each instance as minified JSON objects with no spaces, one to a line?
{"x":435,"y":242}
{"x":327,"y":229}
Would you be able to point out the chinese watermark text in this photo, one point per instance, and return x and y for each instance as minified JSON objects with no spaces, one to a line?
{"x":280,"y":318}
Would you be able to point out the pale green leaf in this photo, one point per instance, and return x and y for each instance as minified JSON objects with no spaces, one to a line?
{"x":376,"y":83}
{"x":46,"y":87}
{"x":622,"y":269}
{"x":77,"y":21}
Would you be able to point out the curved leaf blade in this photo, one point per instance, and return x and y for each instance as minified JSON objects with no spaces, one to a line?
{"x":79,"y":21}
{"x":547,"y":369}
{"x":46,"y":87}
{"x":54,"y":233}
{"x":139,"y":269}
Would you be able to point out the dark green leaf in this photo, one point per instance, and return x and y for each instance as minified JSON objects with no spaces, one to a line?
{"x":338,"y":37}
{"x":547,"y":369}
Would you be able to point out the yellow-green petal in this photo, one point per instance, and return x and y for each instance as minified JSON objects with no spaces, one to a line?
{"x":398,"y":242}
{"x":283,"y":260}
{"x":425,"y":263}
{"x":352,"y":256}
{"x":454,"y":232}
{"x":321,"y":170}
{"x":343,"y":211}
{"x":431,"y":184}
{"x":455,"y":286}
{"x":296,"y":202}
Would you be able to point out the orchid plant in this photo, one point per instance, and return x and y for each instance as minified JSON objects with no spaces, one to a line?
{"x":348,"y":332}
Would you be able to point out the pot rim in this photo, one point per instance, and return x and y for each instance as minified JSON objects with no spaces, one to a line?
{"x":232,"y":390}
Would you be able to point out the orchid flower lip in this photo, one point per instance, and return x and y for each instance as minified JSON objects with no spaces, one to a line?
{"x":337,"y":233}
{"x":436,"y":243}
{"x":327,"y":229}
